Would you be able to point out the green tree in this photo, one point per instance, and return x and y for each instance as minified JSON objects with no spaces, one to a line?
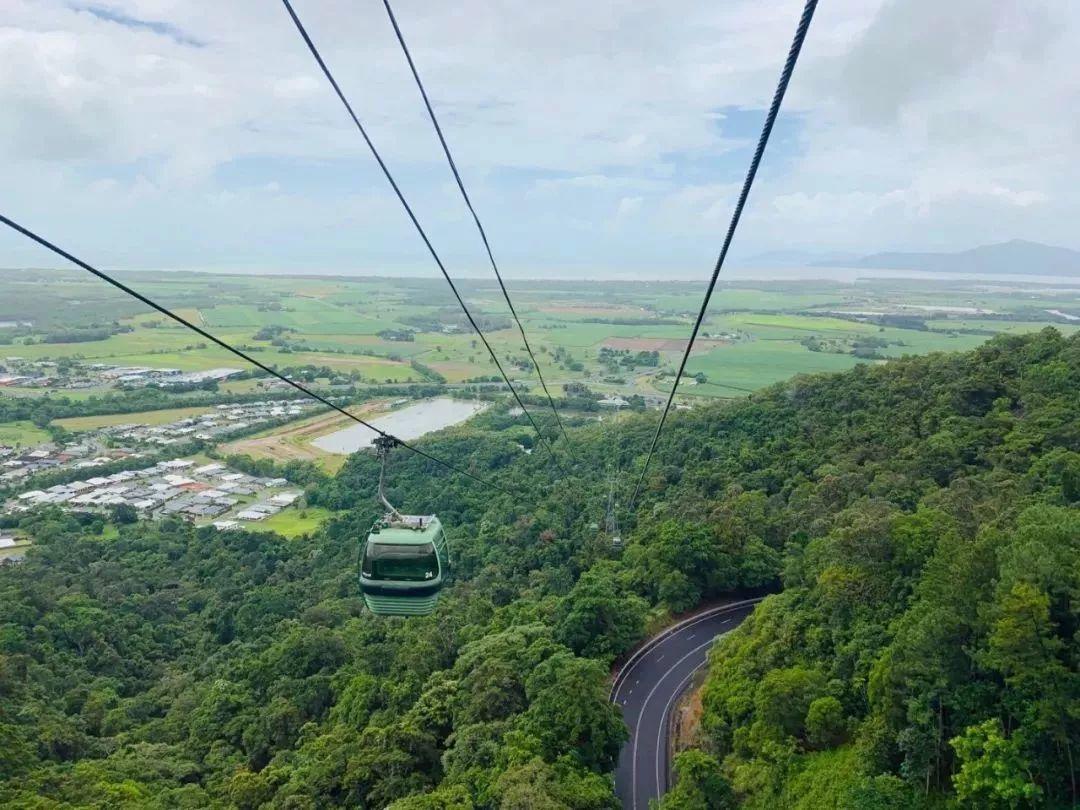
{"x":1024,"y":647}
{"x":450,"y":797}
{"x":597,"y":619}
{"x":699,"y":784}
{"x":825,"y":723}
{"x":881,"y":792}
{"x":993,"y":773}
{"x":538,"y":785}
{"x":124,"y":513}
{"x":569,"y":712}
{"x":784,"y":698}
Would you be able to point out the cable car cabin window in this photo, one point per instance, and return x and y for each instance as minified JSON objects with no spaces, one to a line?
{"x":401,"y":563}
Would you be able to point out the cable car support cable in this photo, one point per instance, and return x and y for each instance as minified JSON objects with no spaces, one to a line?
{"x":241,"y":354}
{"x":770,"y":119}
{"x":383,"y":446}
{"x":472,"y":210}
{"x":416,"y":224}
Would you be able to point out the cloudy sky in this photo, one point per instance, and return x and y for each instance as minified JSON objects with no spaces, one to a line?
{"x":599,"y":138}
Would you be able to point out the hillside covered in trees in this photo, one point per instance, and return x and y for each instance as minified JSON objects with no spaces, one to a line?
{"x":925,"y":643}
{"x":921,"y":517}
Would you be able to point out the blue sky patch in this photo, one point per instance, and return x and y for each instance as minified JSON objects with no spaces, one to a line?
{"x":163,"y":29}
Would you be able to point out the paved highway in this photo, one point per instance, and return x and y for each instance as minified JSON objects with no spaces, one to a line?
{"x":647,"y":688}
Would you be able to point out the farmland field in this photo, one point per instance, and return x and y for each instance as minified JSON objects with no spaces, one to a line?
{"x":744,"y":367}
{"x":379,"y":331}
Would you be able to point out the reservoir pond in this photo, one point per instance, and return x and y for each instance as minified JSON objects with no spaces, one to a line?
{"x":410,"y":422}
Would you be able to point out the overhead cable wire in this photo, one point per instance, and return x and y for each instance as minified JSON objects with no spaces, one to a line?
{"x":770,"y":119}
{"x":472,"y":210}
{"x":239,"y":353}
{"x":416,"y":222}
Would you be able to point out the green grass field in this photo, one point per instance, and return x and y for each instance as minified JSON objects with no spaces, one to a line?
{"x":173,"y":348}
{"x":1010,"y":327}
{"x":294,"y":522}
{"x":22,"y":434}
{"x":77,"y":395}
{"x":743,"y":367}
{"x":160,"y":417}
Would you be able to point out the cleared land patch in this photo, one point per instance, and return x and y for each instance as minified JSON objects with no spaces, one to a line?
{"x":459,"y":371}
{"x":292,"y":442}
{"x":293,"y":522}
{"x":160,"y":417}
{"x":22,"y":434}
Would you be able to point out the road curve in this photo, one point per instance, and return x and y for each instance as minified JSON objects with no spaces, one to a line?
{"x":646,"y":689}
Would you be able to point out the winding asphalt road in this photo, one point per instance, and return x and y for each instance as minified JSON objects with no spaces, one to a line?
{"x":648,"y":686}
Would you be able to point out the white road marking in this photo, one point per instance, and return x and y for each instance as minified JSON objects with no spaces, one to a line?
{"x":624,"y":676}
{"x":690,"y":623}
{"x":661,"y":749}
{"x":637,"y":724}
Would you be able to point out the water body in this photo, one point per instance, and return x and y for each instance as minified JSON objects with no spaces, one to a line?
{"x":408,"y":423}
{"x":1064,"y":315}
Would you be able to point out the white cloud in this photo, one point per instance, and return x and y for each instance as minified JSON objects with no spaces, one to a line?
{"x":922,"y":124}
{"x":297,"y":87}
{"x":628,"y":207}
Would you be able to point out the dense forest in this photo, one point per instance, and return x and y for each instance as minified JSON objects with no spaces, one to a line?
{"x":920,"y":516}
{"x":926,"y":640}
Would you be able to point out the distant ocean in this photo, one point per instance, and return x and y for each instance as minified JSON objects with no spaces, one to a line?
{"x":846,"y":275}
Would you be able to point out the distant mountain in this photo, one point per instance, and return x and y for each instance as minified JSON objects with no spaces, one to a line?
{"x":1017,"y":257}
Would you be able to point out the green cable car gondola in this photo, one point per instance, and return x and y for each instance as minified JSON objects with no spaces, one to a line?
{"x":405,"y":560}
